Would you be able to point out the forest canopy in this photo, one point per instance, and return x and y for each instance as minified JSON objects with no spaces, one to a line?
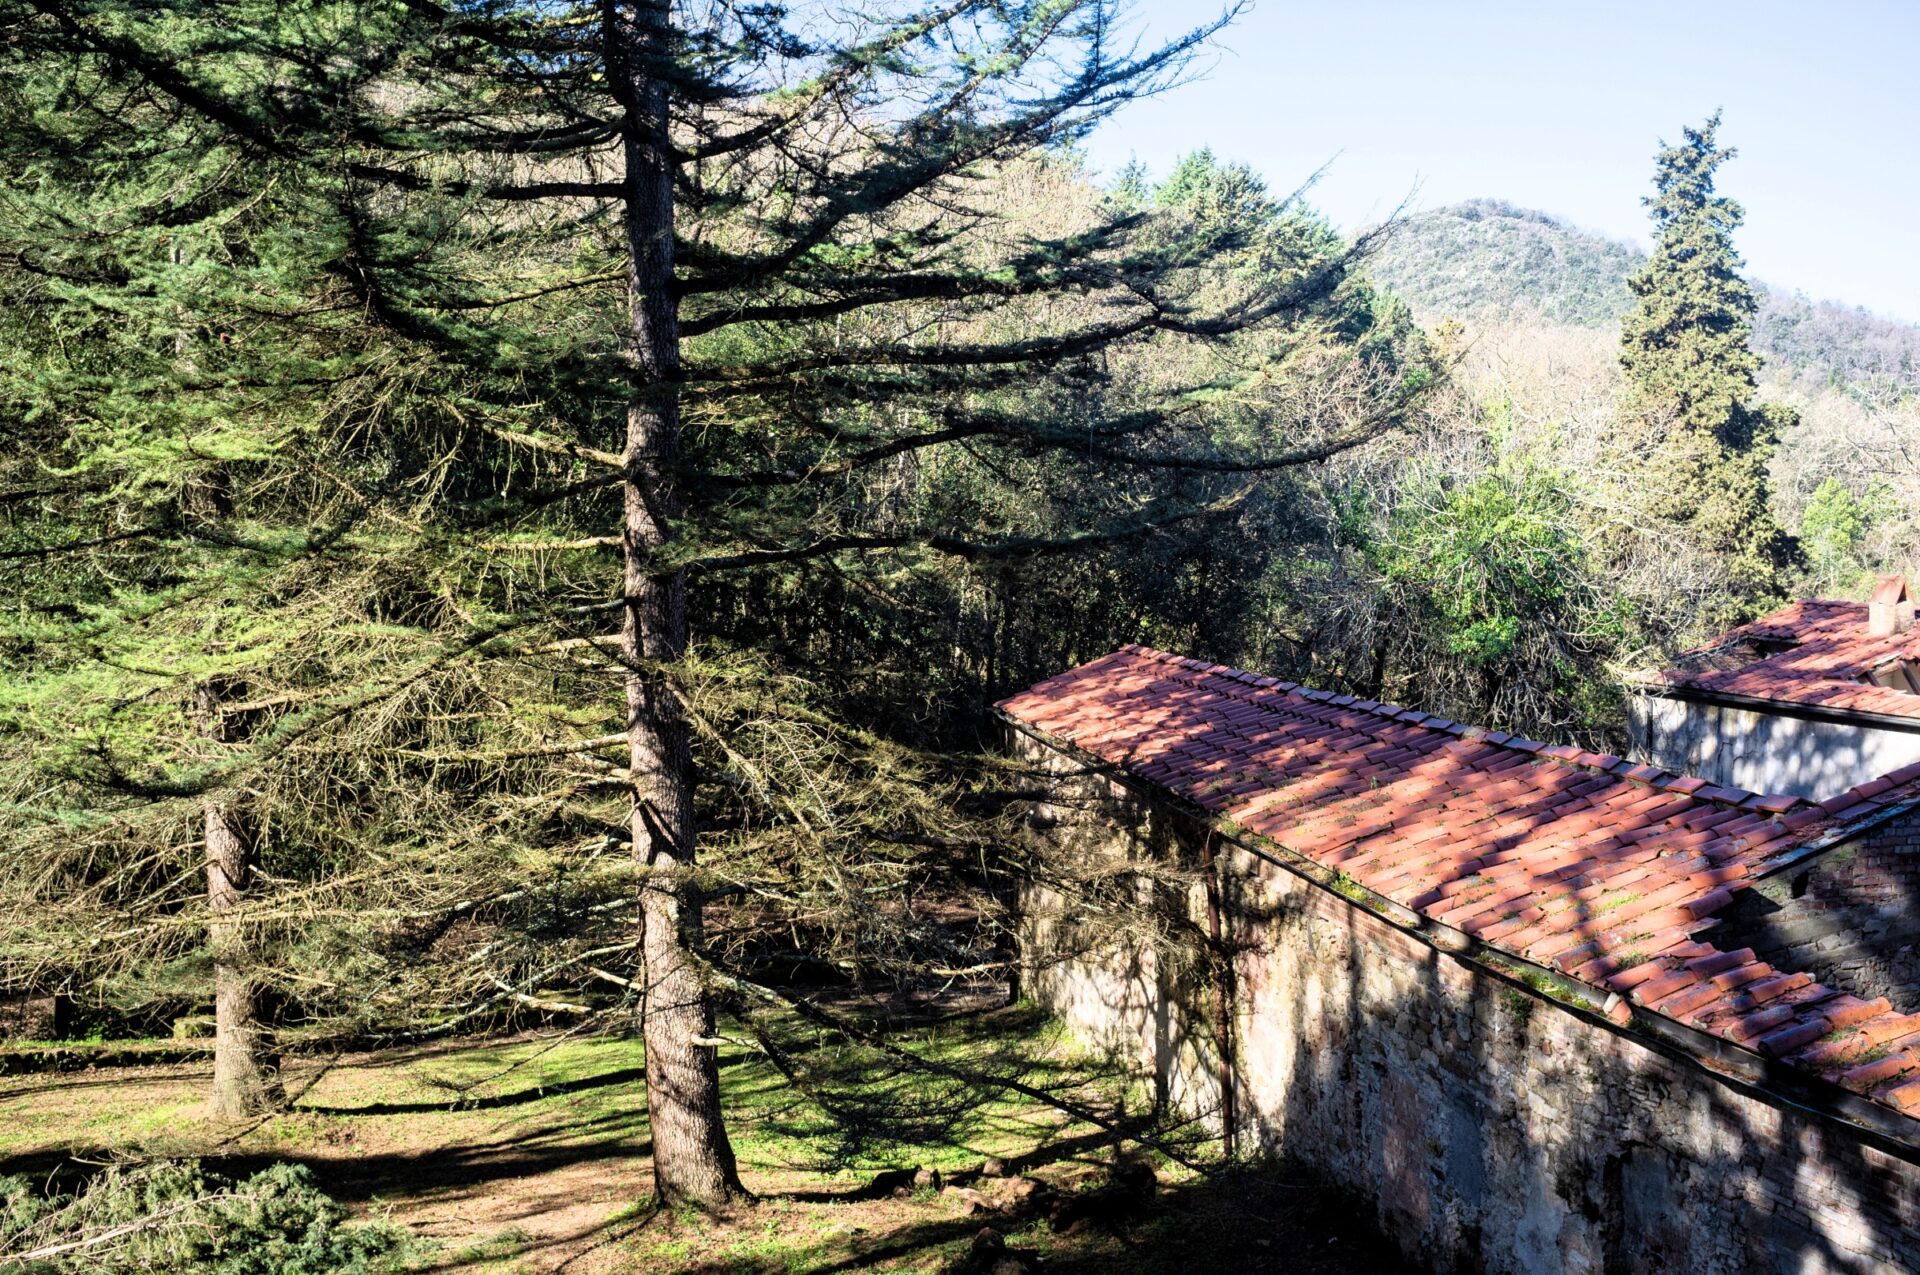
{"x":527,"y":510}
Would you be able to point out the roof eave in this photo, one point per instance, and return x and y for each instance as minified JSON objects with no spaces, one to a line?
{"x":1747,"y":1070}
{"x":1777,"y":707}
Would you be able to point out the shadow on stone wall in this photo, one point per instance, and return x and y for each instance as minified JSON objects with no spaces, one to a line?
{"x":1499,"y":1132}
{"x":1770,"y":752}
{"x":1850,"y":917}
{"x":1493,"y":1128}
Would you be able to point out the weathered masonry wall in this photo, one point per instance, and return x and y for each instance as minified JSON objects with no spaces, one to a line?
{"x":1494,"y":1128}
{"x":34,"y":1018}
{"x":1763,"y":752}
{"x":1851,"y":917}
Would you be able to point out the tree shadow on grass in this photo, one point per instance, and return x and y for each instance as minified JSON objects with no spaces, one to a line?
{"x":30,"y":1084}
{"x":359,"y":1178}
{"x":985,"y":1084}
{"x":456,"y":1101}
{"x":470,"y":1163}
{"x":1086,"y":1148}
{"x":1244,"y":1220}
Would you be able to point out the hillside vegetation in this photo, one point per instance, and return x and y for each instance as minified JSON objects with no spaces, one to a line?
{"x":1486,"y":259}
{"x":1541,"y":303}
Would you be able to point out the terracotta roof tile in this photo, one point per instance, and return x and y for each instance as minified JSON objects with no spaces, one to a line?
{"x":1815,"y":652}
{"x":1904,"y":1096}
{"x":1857,"y":1011}
{"x":1880,"y":1070}
{"x":1605,"y":870}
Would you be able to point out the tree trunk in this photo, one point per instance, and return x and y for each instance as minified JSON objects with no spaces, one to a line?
{"x":245,"y":1064}
{"x":692,"y":1159}
{"x":1377,"y":672}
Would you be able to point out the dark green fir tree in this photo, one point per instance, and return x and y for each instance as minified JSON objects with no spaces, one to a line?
{"x":452,"y":431}
{"x":1686,"y":346}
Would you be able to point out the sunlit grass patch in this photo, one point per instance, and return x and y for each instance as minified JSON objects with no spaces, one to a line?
{"x":511,"y":1155}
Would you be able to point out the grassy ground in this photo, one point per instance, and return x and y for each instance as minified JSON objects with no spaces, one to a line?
{"x":530,"y":1155}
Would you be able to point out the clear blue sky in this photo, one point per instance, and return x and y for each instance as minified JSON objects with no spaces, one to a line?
{"x":1560,"y":107}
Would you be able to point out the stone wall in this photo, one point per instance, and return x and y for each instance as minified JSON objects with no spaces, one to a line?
{"x":1851,"y":916}
{"x":1144,"y":1001}
{"x":1494,"y":1128}
{"x":1763,"y":752}
{"x":34,"y":1018}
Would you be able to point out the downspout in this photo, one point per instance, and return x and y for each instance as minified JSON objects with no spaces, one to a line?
{"x":1223,"y":993}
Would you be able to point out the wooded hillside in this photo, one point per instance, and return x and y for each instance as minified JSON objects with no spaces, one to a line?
{"x":1542,"y":302}
{"x":1493,"y":261}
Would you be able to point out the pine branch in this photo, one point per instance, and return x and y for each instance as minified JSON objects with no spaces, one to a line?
{"x":271,"y":135}
{"x":1091,"y":444}
{"x":1100,"y":88}
{"x":1054,"y":268}
{"x":91,"y":542}
{"x":1012,"y":547}
{"x":850,"y":65}
{"x":1160,"y":317}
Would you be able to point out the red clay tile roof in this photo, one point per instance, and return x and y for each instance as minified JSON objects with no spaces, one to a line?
{"x":1828,"y":661}
{"x":1606,"y":871}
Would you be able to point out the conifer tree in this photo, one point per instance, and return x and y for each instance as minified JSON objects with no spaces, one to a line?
{"x":153,"y":396}
{"x":514,"y":323}
{"x":1686,"y":348}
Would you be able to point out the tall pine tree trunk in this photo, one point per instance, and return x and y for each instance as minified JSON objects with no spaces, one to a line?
{"x":245,"y":1063}
{"x":692,"y":1158}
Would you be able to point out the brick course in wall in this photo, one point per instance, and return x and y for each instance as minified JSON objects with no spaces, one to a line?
{"x":1494,"y":1127}
{"x":1851,"y":917}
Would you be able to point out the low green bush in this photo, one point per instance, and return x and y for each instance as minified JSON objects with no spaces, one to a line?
{"x":173,"y":1216}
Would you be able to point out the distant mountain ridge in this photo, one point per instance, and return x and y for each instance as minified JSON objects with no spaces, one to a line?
{"x":1490,"y":259}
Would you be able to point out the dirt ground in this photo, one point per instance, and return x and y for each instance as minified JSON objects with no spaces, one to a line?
{"x":531,"y":1155}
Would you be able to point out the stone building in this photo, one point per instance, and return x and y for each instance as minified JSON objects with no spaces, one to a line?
{"x":1810,"y":700}
{"x":1550,"y":1010}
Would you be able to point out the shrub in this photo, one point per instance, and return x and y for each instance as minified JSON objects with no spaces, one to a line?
{"x":173,"y":1216}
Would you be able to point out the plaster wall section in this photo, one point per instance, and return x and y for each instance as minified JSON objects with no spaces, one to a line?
{"x":1491,"y":1127}
{"x":1126,"y":869}
{"x":1763,"y":752}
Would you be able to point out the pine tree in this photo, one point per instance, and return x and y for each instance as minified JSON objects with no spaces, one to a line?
{"x":1131,"y":188}
{"x":151,"y":393}
{"x":1686,"y":348}
{"x":575,"y":314}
